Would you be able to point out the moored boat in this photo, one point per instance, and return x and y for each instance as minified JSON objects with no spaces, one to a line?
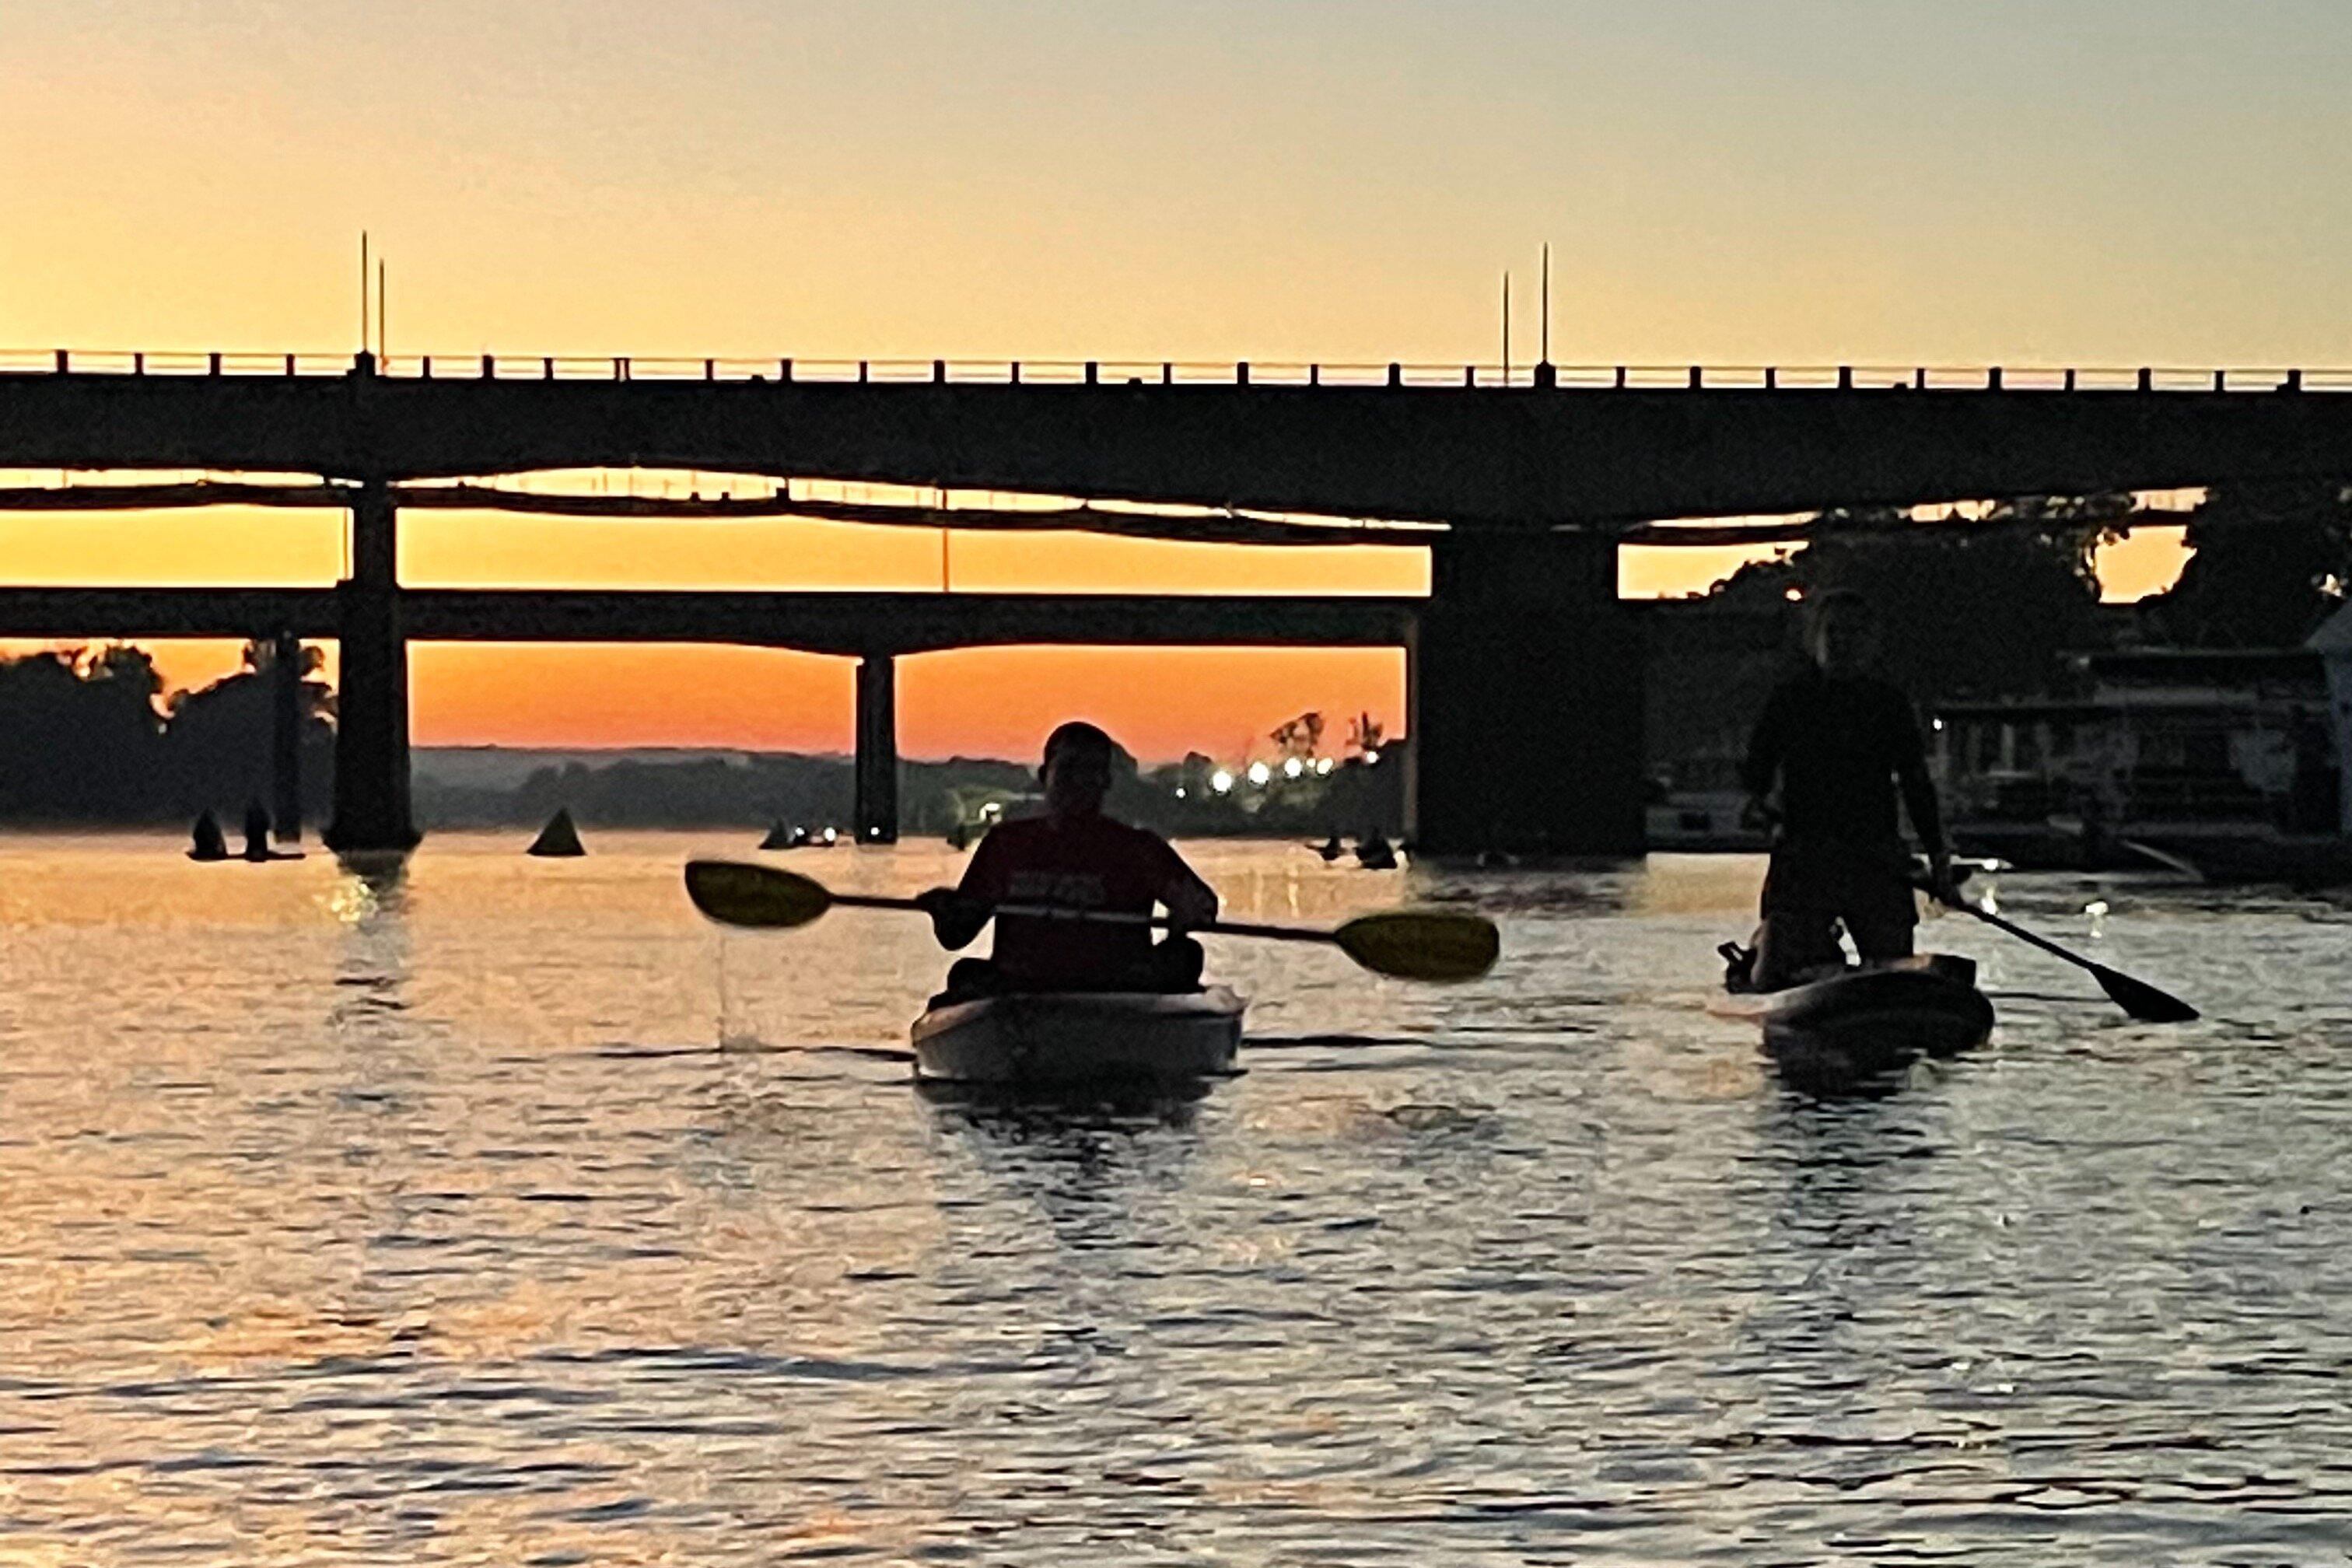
{"x":1060,"y":1038}
{"x":1871,"y":1019}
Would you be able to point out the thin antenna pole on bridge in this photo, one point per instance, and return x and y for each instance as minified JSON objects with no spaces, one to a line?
{"x":1507,"y":326}
{"x":1545,"y":329}
{"x":383,"y":340}
{"x":364,"y":291}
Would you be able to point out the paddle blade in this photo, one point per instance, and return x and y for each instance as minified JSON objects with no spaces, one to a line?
{"x":1421,"y":945}
{"x":735,"y":894}
{"x":2141,"y":1000}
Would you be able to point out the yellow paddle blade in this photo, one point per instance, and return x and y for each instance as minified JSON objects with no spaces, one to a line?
{"x":1421,"y":945}
{"x":736,"y":894}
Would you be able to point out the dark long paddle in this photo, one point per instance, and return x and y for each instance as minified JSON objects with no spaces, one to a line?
{"x":1411,"y":944}
{"x":2136,"y":997}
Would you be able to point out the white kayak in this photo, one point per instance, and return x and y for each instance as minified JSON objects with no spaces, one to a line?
{"x":1869,"y":1019}
{"x":1040,"y":1038}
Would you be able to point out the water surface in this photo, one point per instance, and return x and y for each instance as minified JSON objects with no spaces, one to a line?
{"x":504,"y":1212}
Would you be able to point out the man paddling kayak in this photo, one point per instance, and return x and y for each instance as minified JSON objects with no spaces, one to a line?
{"x":1838,"y":742}
{"x":1077,"y":858}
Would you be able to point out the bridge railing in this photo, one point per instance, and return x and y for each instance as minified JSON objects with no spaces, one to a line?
{"x":1179,"y":373}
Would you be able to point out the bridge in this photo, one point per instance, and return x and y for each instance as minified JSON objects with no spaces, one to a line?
{"x":1531,"y":477}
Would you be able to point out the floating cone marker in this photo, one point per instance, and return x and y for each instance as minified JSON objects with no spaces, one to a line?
{"x":208,"y":843}
{"x":781,"y":836}
{"x":557,"y":838}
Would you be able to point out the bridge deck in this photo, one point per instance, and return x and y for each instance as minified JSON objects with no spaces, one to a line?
{"x":1483,"y":456}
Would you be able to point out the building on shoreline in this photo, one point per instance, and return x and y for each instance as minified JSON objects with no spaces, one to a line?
{"x":2236,"y":761}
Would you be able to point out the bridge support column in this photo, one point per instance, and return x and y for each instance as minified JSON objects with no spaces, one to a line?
{"x":1524,"y":685}
{"x":286,"y":736}
{"x":877,"y":749}
{"x":372,"y":704}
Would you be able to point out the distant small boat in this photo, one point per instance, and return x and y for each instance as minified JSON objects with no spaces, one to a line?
{"x":559,"y":837}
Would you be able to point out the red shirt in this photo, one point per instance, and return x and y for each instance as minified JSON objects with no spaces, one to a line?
{"x":1087,"y":863}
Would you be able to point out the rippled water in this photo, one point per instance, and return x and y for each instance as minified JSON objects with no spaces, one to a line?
{"x":507,"y":1214}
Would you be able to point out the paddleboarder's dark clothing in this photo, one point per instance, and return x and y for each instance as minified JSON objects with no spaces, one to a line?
{"x":1813,"y":884}
{"x":1088,"y":863}
{"x":1839,"y":748}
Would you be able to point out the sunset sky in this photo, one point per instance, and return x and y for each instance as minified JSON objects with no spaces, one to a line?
{"x":2043,"y":182}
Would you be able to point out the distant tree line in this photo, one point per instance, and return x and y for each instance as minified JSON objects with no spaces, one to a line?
{"x":1991,"y":609}
{"x":92,"y":739}
{"x":1349,"y":795}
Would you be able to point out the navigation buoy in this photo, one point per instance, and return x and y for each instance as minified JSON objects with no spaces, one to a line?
{"x":207,"y":843}
{"x":557,"y":838}
{"x":781,"y":836}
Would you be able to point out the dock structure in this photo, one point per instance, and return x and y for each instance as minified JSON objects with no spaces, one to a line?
{"x":1524,"y":669}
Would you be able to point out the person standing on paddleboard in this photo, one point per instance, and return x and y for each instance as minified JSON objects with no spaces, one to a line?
{"x":1075,"y":857}
{"x":1838,"y":743}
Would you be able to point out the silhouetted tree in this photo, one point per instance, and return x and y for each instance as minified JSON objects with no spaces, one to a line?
{"x":2270,"y":563}
{"x":1977,"y":611}
{"x":1299,"y":737}
{"x":219,"y":740}
{"x":84,"y":737}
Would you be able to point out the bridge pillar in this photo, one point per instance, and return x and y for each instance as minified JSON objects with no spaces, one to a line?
{"x":286,"y":736}
{"x":877,"y":749}
{"x":1524,"y":685}
{"x":372,"y":703}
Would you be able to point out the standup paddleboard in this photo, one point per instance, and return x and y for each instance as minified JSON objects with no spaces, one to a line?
{"x":1868,"y":1020}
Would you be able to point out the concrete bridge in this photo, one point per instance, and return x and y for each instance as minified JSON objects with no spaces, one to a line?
{"x":1524,"y":669}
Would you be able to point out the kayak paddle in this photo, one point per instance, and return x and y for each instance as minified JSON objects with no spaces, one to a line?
{"x":2136,"y":997}
{"x":1409,"y":944}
